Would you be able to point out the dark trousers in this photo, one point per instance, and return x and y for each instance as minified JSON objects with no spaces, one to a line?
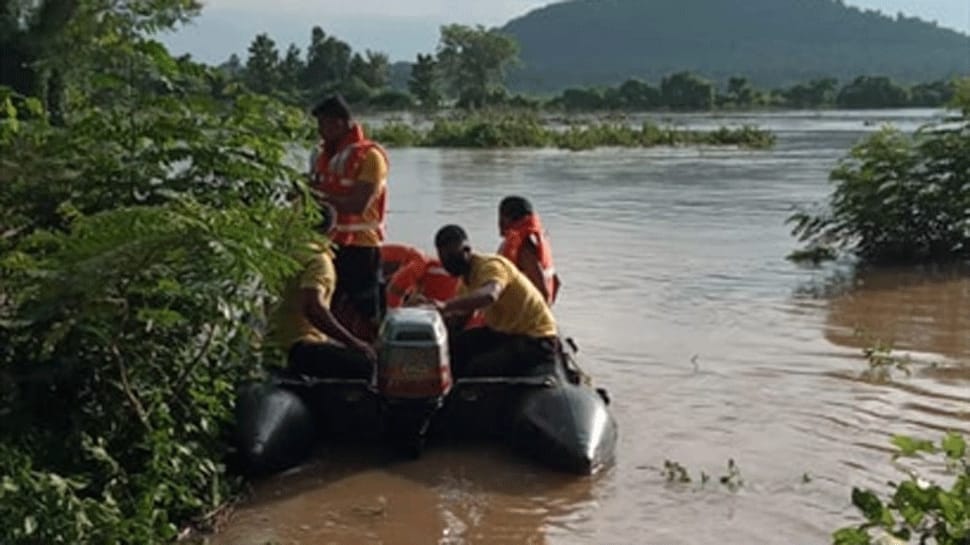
{"x":482,"y":351}
{"x":328,"y":360}
{"x":359,"y":279}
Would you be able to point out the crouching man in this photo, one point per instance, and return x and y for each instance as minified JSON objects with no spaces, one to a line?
{"x":317,"y":344}
{"x":519,"y":333}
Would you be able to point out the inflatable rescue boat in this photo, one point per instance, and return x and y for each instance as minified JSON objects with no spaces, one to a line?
{"x":552,"y":416}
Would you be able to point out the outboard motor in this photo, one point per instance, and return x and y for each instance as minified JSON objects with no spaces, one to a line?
{"x":413,"y":374}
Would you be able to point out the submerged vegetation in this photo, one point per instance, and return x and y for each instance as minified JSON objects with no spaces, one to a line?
{"x":530,"y":132}
{"x":675,"y":473}
{"x":900,"y":198}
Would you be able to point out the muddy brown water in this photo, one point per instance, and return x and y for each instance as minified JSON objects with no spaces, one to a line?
{"x":713,"y":347}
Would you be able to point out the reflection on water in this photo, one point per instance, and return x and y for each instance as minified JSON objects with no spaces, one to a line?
{"x":712,"y":346}
{"x":452,"y":496}
{"x":916,"y":309}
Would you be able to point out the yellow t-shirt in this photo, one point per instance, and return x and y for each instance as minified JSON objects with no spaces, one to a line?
{"x":520,"y":309}
{"x":288,"y":323}
{"x":373,"y":170}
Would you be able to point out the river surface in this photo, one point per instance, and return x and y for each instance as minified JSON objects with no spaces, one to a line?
{"x":712,"y":345}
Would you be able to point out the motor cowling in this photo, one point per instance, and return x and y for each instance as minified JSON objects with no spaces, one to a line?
{"x":413,"y":361}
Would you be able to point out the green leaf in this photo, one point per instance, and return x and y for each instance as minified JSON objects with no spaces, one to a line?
{"x":9,"y":109}
{"x":954,"y":512}
{"x":34,"y":106}
{"x":851,"y":536}
{"x":909,"y":447}
{"x":869,"y":504}
{"x":954,"y":446}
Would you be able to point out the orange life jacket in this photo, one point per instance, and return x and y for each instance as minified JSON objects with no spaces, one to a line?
{"x":425,"y":276}
{"x":336,"y":173}
{"x":395,"y":256}
{"x":529,"y":228}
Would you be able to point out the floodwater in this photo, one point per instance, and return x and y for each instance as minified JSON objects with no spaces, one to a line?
{"x":712,"y":345}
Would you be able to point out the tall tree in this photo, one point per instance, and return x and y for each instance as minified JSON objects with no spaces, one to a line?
{"x":873,"y":92}
{"x":932,"y":95}
{"x":473,"y":61}
{"x":233,"y":67}
{"x":263,"y":65}
{"x":424,"y":83}
{"x":377,"y":69}
{"x":741,"y":92}
{"x":814,"y":94}
{"x":291,"y":69}
{"x":634,"y":94}
{"x":686,"y":91}
{"x":328,"y":62}
{"x":47,"y":45}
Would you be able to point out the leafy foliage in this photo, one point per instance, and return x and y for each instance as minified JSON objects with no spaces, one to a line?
{"x":139,"y":245}
{"x":900,"y":198}
{"x":918,"y":510}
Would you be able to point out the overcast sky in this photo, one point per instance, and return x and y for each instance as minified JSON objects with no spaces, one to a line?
{"x":403,"y":28}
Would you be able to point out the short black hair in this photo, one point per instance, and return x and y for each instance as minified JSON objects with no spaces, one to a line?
{"x":515,"y":207}
{"x":450,"y":234}
{"x":334,"y":106}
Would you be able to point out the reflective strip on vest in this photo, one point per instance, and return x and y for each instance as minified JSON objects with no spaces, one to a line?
{"x":339,"y":161}
{"x":359,"y":227}
{"x":437,"y":270}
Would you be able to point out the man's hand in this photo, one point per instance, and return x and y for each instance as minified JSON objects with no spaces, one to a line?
{"x":417,"y":300}
{"x":367,"y":350}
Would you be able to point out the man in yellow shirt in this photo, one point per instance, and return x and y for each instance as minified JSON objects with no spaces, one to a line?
{"x":520,"y":334}
{"x":350,"y":174}
{"x":303,"y":325}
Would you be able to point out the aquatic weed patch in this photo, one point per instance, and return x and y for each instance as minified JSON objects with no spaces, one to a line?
{"x":498,"y":131}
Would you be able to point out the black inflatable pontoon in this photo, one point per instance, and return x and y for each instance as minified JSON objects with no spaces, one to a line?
{"x":554,"y":417}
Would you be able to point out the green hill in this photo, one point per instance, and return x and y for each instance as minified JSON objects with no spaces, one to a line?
{"x":772,"y":42}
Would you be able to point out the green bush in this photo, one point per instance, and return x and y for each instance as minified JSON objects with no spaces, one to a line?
{"x":918,"y":510}
{"x":396,"y":134}
{"x":900,"y":197}
{"x":140,"y":245}
{"x":485,"y":132}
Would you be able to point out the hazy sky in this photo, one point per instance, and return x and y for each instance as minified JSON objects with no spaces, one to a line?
{"x":404,"y":28}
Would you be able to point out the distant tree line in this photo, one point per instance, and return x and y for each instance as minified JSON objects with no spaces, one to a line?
{"x":468,"y":71}
{"x":688,"y":91}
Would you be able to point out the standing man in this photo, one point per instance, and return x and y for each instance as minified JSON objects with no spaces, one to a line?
{"x":524,"y":242}
{"x":351,"y":175}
